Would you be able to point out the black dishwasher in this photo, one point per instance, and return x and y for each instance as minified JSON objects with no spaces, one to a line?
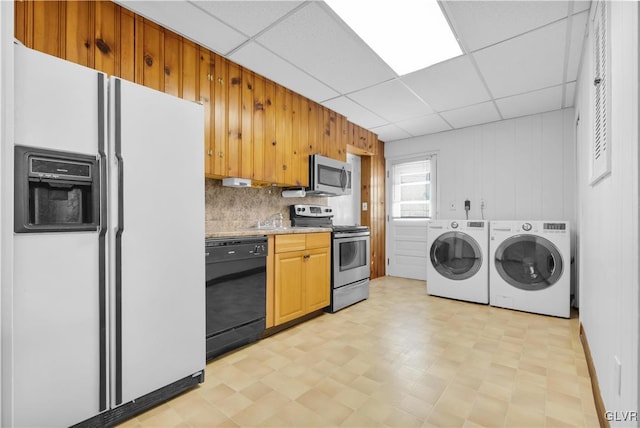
{"x":236,"y":292}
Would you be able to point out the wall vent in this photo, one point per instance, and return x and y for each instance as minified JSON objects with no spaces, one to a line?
{"x":601,"y":148}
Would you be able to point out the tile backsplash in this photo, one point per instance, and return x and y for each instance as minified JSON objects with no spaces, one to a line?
{"x":230,"y":208}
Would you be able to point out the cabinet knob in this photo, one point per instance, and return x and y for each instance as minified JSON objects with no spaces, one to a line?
{"x":220,"y":80}
{"x":209,"y":152}
{"x":220,"y":154}
{"x":306,"y":256}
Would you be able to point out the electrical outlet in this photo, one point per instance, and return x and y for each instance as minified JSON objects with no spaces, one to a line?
{"x":365,"y":207}
{"x":452,"y":205}
{"x":483,"y":204}
{"x":618,"y":374}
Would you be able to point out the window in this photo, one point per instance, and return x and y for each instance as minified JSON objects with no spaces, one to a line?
{"x":601,"y":148}
{"x":412,"y":190}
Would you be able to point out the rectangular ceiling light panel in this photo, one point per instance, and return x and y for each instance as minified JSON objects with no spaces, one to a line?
{"x":408,"y":35}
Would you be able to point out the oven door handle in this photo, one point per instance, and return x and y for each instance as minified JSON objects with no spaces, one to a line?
{"x":350,"y":235}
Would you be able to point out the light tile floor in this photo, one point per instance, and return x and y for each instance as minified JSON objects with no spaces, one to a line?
{"x":401,"y":358}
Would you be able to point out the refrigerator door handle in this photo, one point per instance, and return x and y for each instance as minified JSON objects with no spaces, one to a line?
{"x":102,"y":245}
{"x":118,"y":244}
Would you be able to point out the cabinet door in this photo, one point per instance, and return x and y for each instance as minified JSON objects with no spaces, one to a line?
{"x":149,"y":54}
{"x":172,"y":64}
{"x":302,"y":145}
{"x":190,"y":78}
{"x":126,"y":61}
{"x":79,"y":33}
{"x":259,"y":139}
{"x":315,"y":128}
{"x":48,"y":27}
{"x":205,"y":75}
{"x":270,"y":143}
{"x":106,"y":39}
{"x":283,"y":133}
{"x":317,"y":279}
{"x":246,"y":134}
{"x":289,"y":290}
{"x":342,"y":137}
{"x":219,"y":124}
{"x":234,"y":120}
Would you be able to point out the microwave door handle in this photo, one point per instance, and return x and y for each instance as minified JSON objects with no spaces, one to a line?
{"x":343,"y":179}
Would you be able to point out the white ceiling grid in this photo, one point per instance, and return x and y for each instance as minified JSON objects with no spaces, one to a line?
{"x":520,"y":57}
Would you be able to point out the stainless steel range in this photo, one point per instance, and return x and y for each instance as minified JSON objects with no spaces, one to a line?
{"x":350,"y":266}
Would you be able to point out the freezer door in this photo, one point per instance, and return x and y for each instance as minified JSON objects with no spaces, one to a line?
{"x":56,"y":331}
{"x":157,"y":211}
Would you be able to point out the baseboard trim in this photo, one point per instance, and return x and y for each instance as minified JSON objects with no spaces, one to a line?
{"x":595,"y":386}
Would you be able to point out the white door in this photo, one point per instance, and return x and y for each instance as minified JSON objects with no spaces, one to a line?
{"x":157,"y":198}
{"x":411,"y":194}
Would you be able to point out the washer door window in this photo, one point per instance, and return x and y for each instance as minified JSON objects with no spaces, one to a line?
{"x":529,"y":262}
{"x":456,"y":255}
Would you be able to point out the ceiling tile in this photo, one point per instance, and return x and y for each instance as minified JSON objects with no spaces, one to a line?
{"x":390,"y":132}
{"x":186,"y":19}
{"x":354,"y":112}
{"x":326,"y":48}
{"x":547,"y":99}
{"x":526,"y":63}
{"x":448,"y":85}
{"x":578,"y":31}
{"x":260,"y":60}
{"x":482,"y":23}
{"x":392,"y":100}
{"x":249,"y":17}
{"x":569,"y":94}
{"x":472,"y":115}
{"x":424,"y":125}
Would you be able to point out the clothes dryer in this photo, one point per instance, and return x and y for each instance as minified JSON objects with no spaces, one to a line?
{"x":457,"y":267}
{"x":530,"y":266}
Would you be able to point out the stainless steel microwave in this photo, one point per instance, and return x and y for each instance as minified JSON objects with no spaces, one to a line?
{"x":328,"y":177}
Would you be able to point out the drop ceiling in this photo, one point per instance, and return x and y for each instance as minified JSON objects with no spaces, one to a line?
{"x":519,"y":58}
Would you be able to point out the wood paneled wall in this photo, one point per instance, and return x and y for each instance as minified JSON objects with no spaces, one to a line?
{"x":373,"y":193}
{"x":254,"y":127}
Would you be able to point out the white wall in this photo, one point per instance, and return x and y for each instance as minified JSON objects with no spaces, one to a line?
{"x":608,"y":219}
{"x":523,"y":168}
{"x":347,"y":208}
{"x":6,"y":204}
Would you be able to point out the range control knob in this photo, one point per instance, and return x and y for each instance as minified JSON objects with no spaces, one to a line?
{"x":454,"y":224}
{"x":526,"y":227}
{"x":298,"y":209}
{"x":303,"y":209}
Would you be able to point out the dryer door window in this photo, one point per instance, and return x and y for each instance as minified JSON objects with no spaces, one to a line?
{"x":528,"y":262}
{"x":456,"y":255}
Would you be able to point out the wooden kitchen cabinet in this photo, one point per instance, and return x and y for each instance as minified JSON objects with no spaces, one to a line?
{"x":301,"y":275}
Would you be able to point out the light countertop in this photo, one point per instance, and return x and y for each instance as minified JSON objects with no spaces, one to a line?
{"x":261,"y":232}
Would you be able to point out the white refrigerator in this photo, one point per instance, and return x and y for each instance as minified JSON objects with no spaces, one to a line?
{"x":108,"y":297}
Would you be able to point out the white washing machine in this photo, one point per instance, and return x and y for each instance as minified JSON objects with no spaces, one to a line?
{"x":530,"y":268}
{"x":457,"y":266}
